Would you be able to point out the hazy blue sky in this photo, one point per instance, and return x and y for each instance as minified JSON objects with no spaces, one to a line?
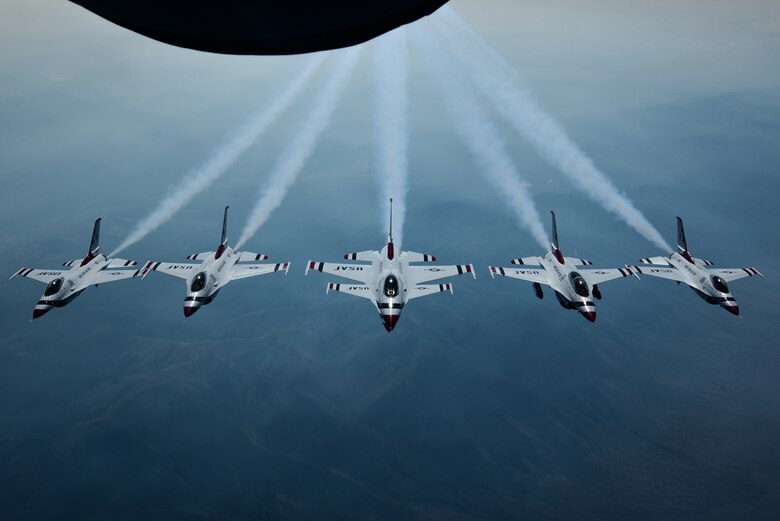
{"x":278,"y":401}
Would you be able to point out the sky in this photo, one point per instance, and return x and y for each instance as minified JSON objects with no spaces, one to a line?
{"x":279,"y":401}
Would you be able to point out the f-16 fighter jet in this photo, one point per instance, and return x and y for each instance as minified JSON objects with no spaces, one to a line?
{"x":709,"y":283}
{"x":574,"y":288}
{"x":388,"y":279}
{"x":62,"y":286}
{"x":216,"y":270}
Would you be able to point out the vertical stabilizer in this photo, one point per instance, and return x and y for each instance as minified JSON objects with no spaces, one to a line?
{"x":555,"y":249}
{"x":390,"y":246}
{"x":94,"y":244}
{"x":682,"y":244}
{"x":224,"y":227}
{"x":223,"y":240}
{"x":390,"y":235}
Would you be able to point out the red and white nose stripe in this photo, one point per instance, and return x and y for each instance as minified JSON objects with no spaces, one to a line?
{"x":732,"y":307}
{"x":40,"y":310}
{"x":589,"y":312}
{"x":190,"y":308}
{"x":390,"y":321}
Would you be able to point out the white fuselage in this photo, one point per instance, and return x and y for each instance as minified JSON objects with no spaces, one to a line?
{"x":62,"y":290}
{"x":571,"y":293}
{"x":389,"y":287}
{"x":701,"y":281}
{"x":208,"y":278}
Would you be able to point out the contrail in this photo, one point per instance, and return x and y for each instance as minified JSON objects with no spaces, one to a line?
{"x":298,"y":150}
{"x":480,"y":136}
{"x":200,"y":178}
{"x":391,"y":84}
{"x":501,"y":83}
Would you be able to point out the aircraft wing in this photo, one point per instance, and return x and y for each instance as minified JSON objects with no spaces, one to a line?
{"x":729,"y":274}
{"x":359,"y":272}
{"x":530,"y":275}
{"x":600,"y":276}
{"x":423,"y":291}
{"x":44,"y":276}
{"x":421,"y":274}
{"x":358,"y":290}
{"x":668,"y":272}
{"x":183,"y":270}
{"x":105,"y":276}
{"x":242,"y":271}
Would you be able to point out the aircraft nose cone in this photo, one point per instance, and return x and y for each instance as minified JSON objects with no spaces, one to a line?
{"x":734,"y":310}
{"x":390,"y":321}
{"x":39,"y":312}
{"x":189,"y":310}
{"x":589,"y":315}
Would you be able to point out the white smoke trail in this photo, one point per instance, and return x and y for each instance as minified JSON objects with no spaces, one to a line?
{"x":200,"y":178}
{"x":390,"y":79}
{"x":479,"y":135}
{"x":298,"y":150}
{"x":501,"y":83}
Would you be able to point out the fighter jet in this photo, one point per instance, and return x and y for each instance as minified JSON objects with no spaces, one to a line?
{"x":216,"y":270}
{"x":62,"y":286}
{"x":709,"y":283}
{"x":573,"y":287}
{"x":389,"y":280}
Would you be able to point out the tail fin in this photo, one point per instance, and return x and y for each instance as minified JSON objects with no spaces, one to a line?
{"x":94,"y":244}
{"x":555,"y":249}
{"x":223,"y":241}
{"x":682,"y":245}
{"x":390,"y":235}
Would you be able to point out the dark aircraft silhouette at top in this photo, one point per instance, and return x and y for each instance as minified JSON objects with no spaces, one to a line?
{"x":261,"y":26}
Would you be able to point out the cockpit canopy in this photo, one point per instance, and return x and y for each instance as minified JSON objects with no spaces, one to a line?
{"x":198,"y":282}
{"x":719,"y":284}
{"x":579,"y":284}
{"x":391,"y":286}
{"x":53,"y":287}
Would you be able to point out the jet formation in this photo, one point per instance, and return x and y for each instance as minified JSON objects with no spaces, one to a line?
{"x":389,"y":278}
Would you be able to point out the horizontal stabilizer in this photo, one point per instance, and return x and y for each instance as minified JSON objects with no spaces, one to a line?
{"x":247,"y":256}
{"x":367,"y":255}
{"x":411,"y":256}
{"x":120,"y":263}
{"x":703,"y":262}
{"x":530,"y":261}
{"x":200,"y":256}
{"x":578,"y":262}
